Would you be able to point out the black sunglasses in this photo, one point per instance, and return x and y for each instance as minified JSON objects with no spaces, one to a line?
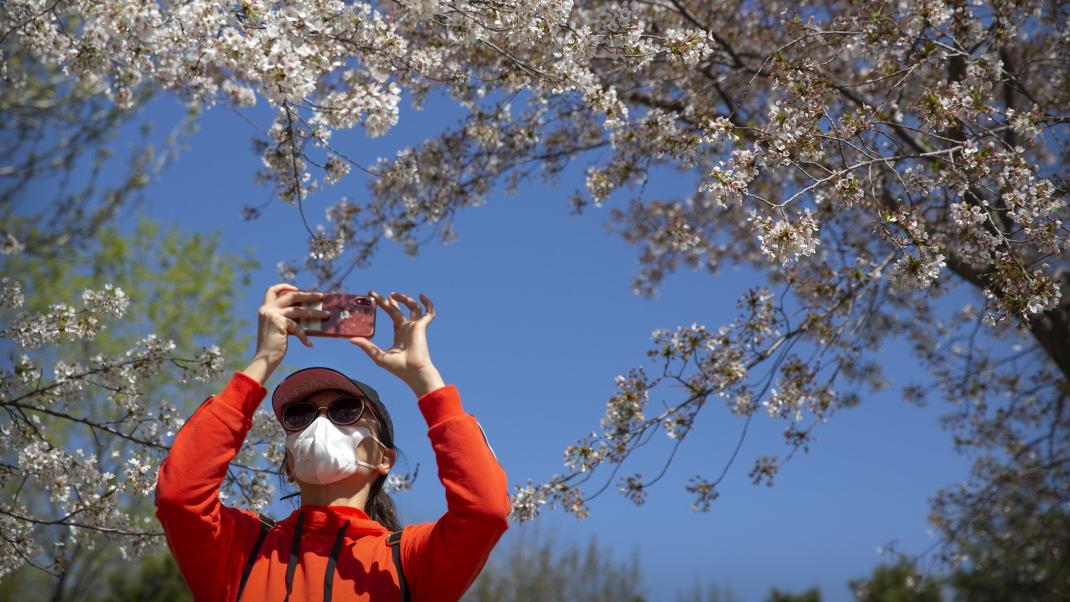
{"x":342,"y":411}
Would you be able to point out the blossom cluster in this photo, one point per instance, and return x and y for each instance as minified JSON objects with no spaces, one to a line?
{"x":721,"y":361}
{"x":79,"y":484}
{"x":64,"y":322}
{"x":786,"y":240}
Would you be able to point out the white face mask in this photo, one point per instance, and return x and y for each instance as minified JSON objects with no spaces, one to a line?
{"x":325,"y":452}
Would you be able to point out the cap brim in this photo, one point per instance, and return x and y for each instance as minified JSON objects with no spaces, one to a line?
{"x":303,"y":383}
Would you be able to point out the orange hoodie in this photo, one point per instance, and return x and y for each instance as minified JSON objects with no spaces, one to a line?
{"x":211,"y":541}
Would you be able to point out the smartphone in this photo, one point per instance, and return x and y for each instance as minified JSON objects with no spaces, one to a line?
{"x":351,"y":316}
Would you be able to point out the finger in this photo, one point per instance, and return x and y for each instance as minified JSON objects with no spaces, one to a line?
{"x":369,"y":347}
{"x":295,"y":329}
{"x":273,"y":291}
{"x":295,"y":296}
{"x":391,"y":309}
{"x":304,"y":312}
{"x":430,"y":313}
{"x":393,"y":302}
{"x":414,"y":308}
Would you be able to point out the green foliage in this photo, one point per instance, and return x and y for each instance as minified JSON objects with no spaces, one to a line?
{"x":150,"y":578}
{"x":898,"y":582}
{"x":181,"y":287}
{"x":810,"y":595}
{"x":1003,"y":586}
{"x":155,"y":579}
{"x":539,"y":569}
{"x":1028,"y":567}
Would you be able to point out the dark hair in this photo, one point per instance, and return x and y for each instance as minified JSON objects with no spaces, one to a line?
{"x":379,"y":506}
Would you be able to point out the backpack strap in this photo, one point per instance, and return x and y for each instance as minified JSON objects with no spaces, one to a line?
{"x":394,"y":540}
{"x":266,"y":524}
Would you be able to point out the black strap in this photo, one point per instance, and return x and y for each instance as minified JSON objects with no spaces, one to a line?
{"x":266,"y":524}
{"x":394,"y":539}
{"x":328,"y":577}
{"x":294,"y":549}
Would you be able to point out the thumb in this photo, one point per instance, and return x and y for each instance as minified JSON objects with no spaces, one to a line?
{"x":369,"y":347}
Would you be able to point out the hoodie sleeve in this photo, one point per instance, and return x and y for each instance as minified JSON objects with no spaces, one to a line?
{"x":201,"y":531}
{"x":443,"y":558}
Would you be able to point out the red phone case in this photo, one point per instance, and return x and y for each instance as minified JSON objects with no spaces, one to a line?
{"x":351,"y":316}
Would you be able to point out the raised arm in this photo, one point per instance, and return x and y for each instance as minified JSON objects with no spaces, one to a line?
{"x":200,"y":530}
{"x":443,"y":558}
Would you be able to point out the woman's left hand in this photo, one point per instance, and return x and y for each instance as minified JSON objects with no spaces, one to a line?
{"x":408,"y":358}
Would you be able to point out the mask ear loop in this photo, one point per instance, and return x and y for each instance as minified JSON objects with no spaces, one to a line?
{"x":376,"y":439}
{"x":289,"y":495}
{"x":366,"y":408}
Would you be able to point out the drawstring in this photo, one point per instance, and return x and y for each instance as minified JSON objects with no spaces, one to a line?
{"x":292,"y":565}
{"x":328,"y":578}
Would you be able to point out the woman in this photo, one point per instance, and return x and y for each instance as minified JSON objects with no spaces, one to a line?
{"x":340,"y":447}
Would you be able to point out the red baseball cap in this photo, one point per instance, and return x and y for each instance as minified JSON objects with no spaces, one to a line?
{"x":305,"y":382}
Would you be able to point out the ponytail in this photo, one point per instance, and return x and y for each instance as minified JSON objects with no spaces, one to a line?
{"x":380,"y":506}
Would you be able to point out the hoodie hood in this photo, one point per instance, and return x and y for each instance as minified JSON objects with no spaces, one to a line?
{"x":315,"y":521}
{"x":327,"y":520}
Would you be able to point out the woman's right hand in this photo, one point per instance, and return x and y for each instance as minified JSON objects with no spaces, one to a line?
{"x":278,"y":318}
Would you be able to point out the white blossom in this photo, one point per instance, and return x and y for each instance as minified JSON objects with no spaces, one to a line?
{"x":918,"y":271}
{"x":784,"y":240}
{"x":11,"y":293}
{"x":527,"y":502}
{"x":9,"y":245}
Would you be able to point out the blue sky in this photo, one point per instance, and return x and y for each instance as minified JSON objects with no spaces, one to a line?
{"x":535,"y":319}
